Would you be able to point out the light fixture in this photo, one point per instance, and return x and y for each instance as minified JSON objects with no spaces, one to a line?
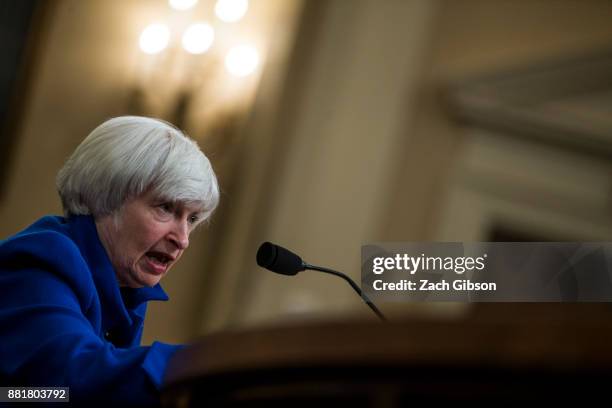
{"x":198,"y":38}
{"x":154,"y":38}
{"x":182,"y":5}
{"x":242,"y":60}
{"x":231,"y":10}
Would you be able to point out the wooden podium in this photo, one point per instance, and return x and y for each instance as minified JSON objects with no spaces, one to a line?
{"x":499,"y":354}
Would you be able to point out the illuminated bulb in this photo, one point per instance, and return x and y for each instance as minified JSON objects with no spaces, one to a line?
{"x":154,"y":38}
{"x":198,"y":38}
{"x":231,"y":10}
{"x":242,"y":60}
{"x":182,"y":4}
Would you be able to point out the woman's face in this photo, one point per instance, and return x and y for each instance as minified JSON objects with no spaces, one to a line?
{"x":147,"y":239}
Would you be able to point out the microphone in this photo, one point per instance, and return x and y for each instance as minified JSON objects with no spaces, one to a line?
{"x":280,"y":260}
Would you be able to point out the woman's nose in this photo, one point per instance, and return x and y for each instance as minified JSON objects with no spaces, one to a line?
{"x":180,"y":234}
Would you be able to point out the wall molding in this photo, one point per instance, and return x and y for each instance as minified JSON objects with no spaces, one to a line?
{"x":565,"y":103}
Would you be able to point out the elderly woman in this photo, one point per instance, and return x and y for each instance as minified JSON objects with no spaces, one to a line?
{"x":74,"y":289}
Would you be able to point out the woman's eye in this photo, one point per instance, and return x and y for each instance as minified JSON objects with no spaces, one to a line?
{"x":165,"y":207}
{"x":193,"y":219}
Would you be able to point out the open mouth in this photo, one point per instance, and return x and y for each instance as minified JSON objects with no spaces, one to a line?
{"x":158,"y":258}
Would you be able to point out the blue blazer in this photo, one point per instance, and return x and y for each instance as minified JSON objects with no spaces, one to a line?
{"x":64,"y":320}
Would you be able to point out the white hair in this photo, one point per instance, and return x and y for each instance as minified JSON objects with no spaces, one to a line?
{"x":127,"y":156}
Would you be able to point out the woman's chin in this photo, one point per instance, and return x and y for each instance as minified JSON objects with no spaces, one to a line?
{"x":139,"y":277}
{"x":149,"y":279}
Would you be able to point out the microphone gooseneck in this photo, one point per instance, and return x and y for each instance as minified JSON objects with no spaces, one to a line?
{"x":353,"y":285}
{"x":280,"y":260}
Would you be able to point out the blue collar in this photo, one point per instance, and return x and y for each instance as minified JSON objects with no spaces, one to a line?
{"x":116,"y":300}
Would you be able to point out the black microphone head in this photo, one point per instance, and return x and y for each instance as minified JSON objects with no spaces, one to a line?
{"x":278,"y":259}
